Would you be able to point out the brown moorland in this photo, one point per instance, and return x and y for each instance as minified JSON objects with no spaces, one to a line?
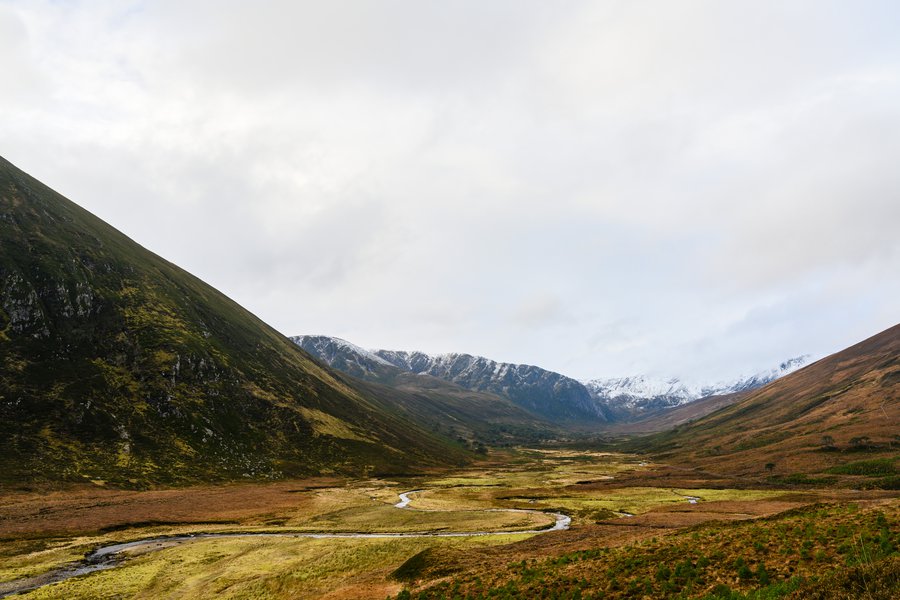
{"x":825,"y":550}
{"x":41,"y":529}
{"x":842,"y":409}
{"x":91,"y":509}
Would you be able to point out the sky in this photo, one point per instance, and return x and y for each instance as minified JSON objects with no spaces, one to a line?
{"x":697,"y":188}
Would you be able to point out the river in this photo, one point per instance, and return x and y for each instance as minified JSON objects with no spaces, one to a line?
{"x":111,"y":556}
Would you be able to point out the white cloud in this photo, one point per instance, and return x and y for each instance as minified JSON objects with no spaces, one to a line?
{"x":596,"y":187}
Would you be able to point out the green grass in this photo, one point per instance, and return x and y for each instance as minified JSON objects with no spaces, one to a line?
{"x":802,"y":479}
{"x":878,"y":467}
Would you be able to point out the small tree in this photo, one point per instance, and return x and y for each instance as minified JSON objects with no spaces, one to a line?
{"x":770,"y":467}
{"x":827,"y":442}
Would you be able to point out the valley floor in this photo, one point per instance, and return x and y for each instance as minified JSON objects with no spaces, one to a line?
{"x":638,"y":530}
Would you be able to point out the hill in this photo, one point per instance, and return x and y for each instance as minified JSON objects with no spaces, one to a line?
{"x":837,"y":416}
{"x":117,"y":365}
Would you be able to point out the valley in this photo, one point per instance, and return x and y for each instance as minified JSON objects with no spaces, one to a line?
{"x":159,"y":440}
{"x":347,"y":538}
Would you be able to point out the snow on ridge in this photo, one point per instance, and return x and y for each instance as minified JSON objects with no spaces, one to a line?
{"x":642,"y":387}
{"x":343,"y":344}
{"x":631,"y":389}
{"x":636,"y":392}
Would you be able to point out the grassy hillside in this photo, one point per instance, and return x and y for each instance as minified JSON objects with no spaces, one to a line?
{"x":839,"y":416}
{"x":117,"y":365}
{"x":471,"y":418}
{"x":667,"y":418}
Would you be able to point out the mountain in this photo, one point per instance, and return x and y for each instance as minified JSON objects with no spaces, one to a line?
{"x":544,"y":393}
{"x":842,"y":409}
{"x":442,"y":406}
{"x":550,"y":395}
{"x":347,"y":358}
{"x":630,"y":398}
{"x":117,"y":365}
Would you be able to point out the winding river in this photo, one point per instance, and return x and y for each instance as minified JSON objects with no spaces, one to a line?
{"x":111,"y":556}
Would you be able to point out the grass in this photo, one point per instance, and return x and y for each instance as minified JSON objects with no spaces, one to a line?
{"x":638,"y":500}
{"x":802,"y":479}
{"x":388,"y":519}
{"x":363,"y":507}
{"x":41,"y":531}
{"x":878,"y":467}
{"x":47,"y":530}
{"x":758,"y":559}
{"x":254,"y":568}
{"x":25,"y":558}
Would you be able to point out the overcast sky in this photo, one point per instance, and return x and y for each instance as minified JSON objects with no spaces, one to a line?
{"x":694,"y":188}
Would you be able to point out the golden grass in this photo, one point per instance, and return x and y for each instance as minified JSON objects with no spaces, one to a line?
{"x":255,"y":568}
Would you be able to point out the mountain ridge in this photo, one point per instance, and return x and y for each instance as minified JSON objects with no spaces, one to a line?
{"x":536,"y":389}
{"x":645,"y":394}
{"x":471,"y":417}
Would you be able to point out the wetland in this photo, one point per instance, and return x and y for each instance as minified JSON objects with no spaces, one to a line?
{"x":462,"y":533}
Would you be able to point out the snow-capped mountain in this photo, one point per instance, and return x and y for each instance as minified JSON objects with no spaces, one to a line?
{"x":641,"y":393}
{"x":344,"y":356}
{"x":542,"y":392}
{"x":546,"y":393}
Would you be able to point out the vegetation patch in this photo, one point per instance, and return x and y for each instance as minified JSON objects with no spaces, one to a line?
{"x":877,"y":467}
{"x":802,"y":479}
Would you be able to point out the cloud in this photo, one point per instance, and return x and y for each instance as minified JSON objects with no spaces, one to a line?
{"x":596,"y":187}
{"x":23,"y":81}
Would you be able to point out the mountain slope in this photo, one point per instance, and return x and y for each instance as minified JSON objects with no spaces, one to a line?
{"x":440,"y":405}
{"x":117,"y":365}
{"x":670,"y":417}
{"x":553,"y":396}
{"x":841,"y":409}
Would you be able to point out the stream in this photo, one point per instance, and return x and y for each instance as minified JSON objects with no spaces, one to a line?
{"x":111,"y":556}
